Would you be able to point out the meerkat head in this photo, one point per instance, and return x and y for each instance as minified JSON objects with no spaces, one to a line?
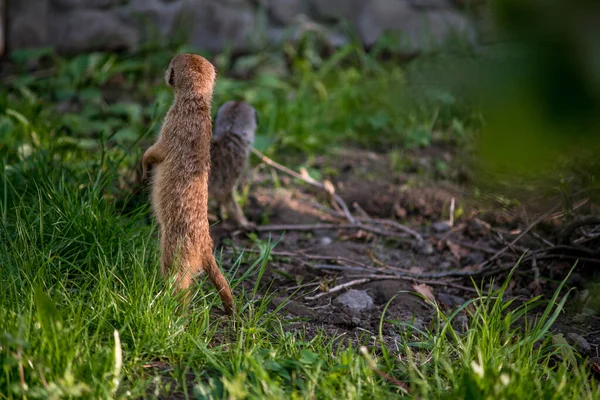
{"x":191,"y":72}
{"x":236,"y":117}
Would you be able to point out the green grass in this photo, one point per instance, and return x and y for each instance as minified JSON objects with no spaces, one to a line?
{"x":84,"y":312}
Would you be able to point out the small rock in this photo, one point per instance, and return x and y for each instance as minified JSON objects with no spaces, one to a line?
{"x":424,"y":248}
{"x":450,"y":300}
{"x":580,"y":344}
{"x":576,"y":280}
{"x":473,"y":258}
{"x":477,"y":227}
{"x":460,"y":323}
{"x":440,"y":226}
{"x":416,"y":323}
{"x":325,"y":241}
{"x":355,"y":300}
{"x":445,"y":265}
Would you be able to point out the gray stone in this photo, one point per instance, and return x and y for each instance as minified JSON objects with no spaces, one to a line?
{"x":355,"y":300}
{"x":285,"y":11}
{"x":28,"y":24}
{"x":440,"y":226}
{"x":84,"y":25}
{"x":325,"y":241}
{"x":381,"y":15}
{"x":69,"y":4}
{"x":349,"y":10}
{"x":579,"y":343}
{"x":83,"y":30}
{"x":434,"y":28}
{"x":473,"y":258}
{"x":430,"y":4}
{"x":217,"y":25}
{"x":165,"y":17}
{"x":419,"y":31}
{"x":449,"y":300}
{"x":424,"y":248}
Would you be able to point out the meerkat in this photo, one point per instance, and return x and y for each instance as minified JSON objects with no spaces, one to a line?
{"x":180,"y":161}
{"x":233,"y":136}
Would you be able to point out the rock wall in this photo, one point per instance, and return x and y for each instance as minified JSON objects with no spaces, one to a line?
{"x":73,"y":26}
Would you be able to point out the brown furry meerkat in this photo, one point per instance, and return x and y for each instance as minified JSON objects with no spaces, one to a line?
{"x":233,"y":136}
{"x":181,"y":166}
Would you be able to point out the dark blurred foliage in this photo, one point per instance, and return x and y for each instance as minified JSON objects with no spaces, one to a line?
{"x":540,"y":92}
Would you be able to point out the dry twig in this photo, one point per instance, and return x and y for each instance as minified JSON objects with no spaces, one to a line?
{"x":378,"y":221}
{"x":576,"y":223}
{"x":369,"y":278}
{"x":314,"y":227}
{"x":519,"y":237}
{"x":339,"y":287}
{"x":306,"y":178}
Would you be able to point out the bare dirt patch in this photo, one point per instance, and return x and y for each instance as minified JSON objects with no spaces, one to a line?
{"x":310,"y":267}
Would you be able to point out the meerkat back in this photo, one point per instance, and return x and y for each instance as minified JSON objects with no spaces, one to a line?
{"x":234,"y":131}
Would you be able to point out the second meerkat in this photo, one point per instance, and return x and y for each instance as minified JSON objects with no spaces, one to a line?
{"x":181,"y":167}
{"x":233,"y":136}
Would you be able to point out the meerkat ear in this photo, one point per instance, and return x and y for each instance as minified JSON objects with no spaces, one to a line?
{"x":170,"y":76}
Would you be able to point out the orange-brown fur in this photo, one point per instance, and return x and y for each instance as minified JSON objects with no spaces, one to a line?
{"x":181,"y":165}
{"x":232,"y":139}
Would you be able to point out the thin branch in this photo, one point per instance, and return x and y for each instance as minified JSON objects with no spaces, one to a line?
{"x":368,"y":278}
{"x":428,"y":282}
{"x":339,"y":287}
{"x":476,"y":247}
{"x":307,"y":179}
{"x":314,"y":227}
{"x":380,"y":221}
{"x":576,"y":223}
{"x":519,"y":237}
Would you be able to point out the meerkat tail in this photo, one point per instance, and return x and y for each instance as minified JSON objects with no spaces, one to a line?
{"x":217,"y":278}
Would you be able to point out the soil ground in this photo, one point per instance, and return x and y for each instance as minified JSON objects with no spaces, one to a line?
{"x":306,"y":264}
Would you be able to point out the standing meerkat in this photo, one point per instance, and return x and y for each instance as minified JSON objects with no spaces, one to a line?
{"x":233,"y":136}
{"x":181,"y":167}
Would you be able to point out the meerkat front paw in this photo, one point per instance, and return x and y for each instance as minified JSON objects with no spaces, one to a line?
{"x":144,"y":174}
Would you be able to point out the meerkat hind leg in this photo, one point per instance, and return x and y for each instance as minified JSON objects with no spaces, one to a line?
{"x":235,"y":213}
